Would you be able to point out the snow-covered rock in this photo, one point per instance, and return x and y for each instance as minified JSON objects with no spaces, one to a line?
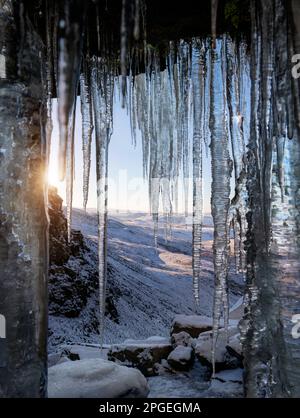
{"x":95,"y":378}
{"x":227,"y":355}
{"x":194,"y":325}
{"x":181,"y":358}
{"x":142,"y":354}
{"x":85,"y":352}
{"x":182,"y":338}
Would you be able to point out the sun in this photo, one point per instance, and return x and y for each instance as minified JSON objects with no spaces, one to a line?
{"x":52,"y":176}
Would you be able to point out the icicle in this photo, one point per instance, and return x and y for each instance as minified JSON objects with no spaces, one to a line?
{"x":102,"y":95}
{"x":236,"y":82}
{"x":214,"y":14}
{"x":49,"y":86}
{"x":198,"y":59}
{"x":183,"y":145}
{"x":87,"y":129}
{"x":136,"y":29}
{"x":70,"y":169}
{"x":207,"y":99}
{"x":235,"y":115}
{"x":130,"y":18}
{"x":68,"y":76}
{"x":221,"y":171}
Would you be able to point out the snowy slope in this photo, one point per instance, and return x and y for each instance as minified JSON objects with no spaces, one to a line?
{"x":152,"y":286}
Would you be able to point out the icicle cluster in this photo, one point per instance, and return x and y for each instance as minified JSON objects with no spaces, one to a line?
{"x":159,"y":107}
{"x":214,"y":88}
{"x":199,"y":97}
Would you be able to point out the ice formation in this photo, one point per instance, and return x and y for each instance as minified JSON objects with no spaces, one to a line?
{"x":102,"y":86}
{"x":198,"y":97}
{"x":87,"y":129}
{"x":197,"y":93}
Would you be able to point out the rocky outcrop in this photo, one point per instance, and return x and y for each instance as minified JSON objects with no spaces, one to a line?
{"x":194,"y":325}
{"x":142,"y":354}
{"x":73,"y":273}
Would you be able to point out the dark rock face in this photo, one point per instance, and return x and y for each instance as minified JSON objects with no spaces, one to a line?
{"x":193,"y":325}
{"x":59,"y":251}
{"x":73,"y":274}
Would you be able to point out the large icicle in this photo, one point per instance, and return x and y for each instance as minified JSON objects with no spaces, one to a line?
{"x":102,"y":94}
{"x":237,"y":82}
{"x":49,"y":83}
{"x":198,"y":86}
{"x":214,"y":15}
{"x":183,"y":115}
{"x":70,"y":42}
{"x":70,"y":169}
{"x":87,"y":129}
{"x":221,"y":172}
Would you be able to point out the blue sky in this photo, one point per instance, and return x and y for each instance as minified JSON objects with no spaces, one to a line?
{"x":127,"y":189}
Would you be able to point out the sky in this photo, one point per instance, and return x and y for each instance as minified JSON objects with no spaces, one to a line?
{"x":127,"y":188}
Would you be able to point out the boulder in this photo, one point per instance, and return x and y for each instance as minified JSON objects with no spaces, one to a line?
{"x":95,"y":378}
{"x":181,"y":358}
{"x":181,"y":339}
{"x":194,"y":325}
{"x":227,"y":355}
{"x":142,"y":354}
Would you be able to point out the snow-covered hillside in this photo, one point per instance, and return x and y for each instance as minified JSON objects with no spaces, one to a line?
{"x":149,"y":286}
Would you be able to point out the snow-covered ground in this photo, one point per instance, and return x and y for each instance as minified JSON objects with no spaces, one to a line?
{"x":154,"y":285}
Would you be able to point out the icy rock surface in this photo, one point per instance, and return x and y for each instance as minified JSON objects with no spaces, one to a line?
{"x":95,"y":378}
{"x":181,"y":358}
